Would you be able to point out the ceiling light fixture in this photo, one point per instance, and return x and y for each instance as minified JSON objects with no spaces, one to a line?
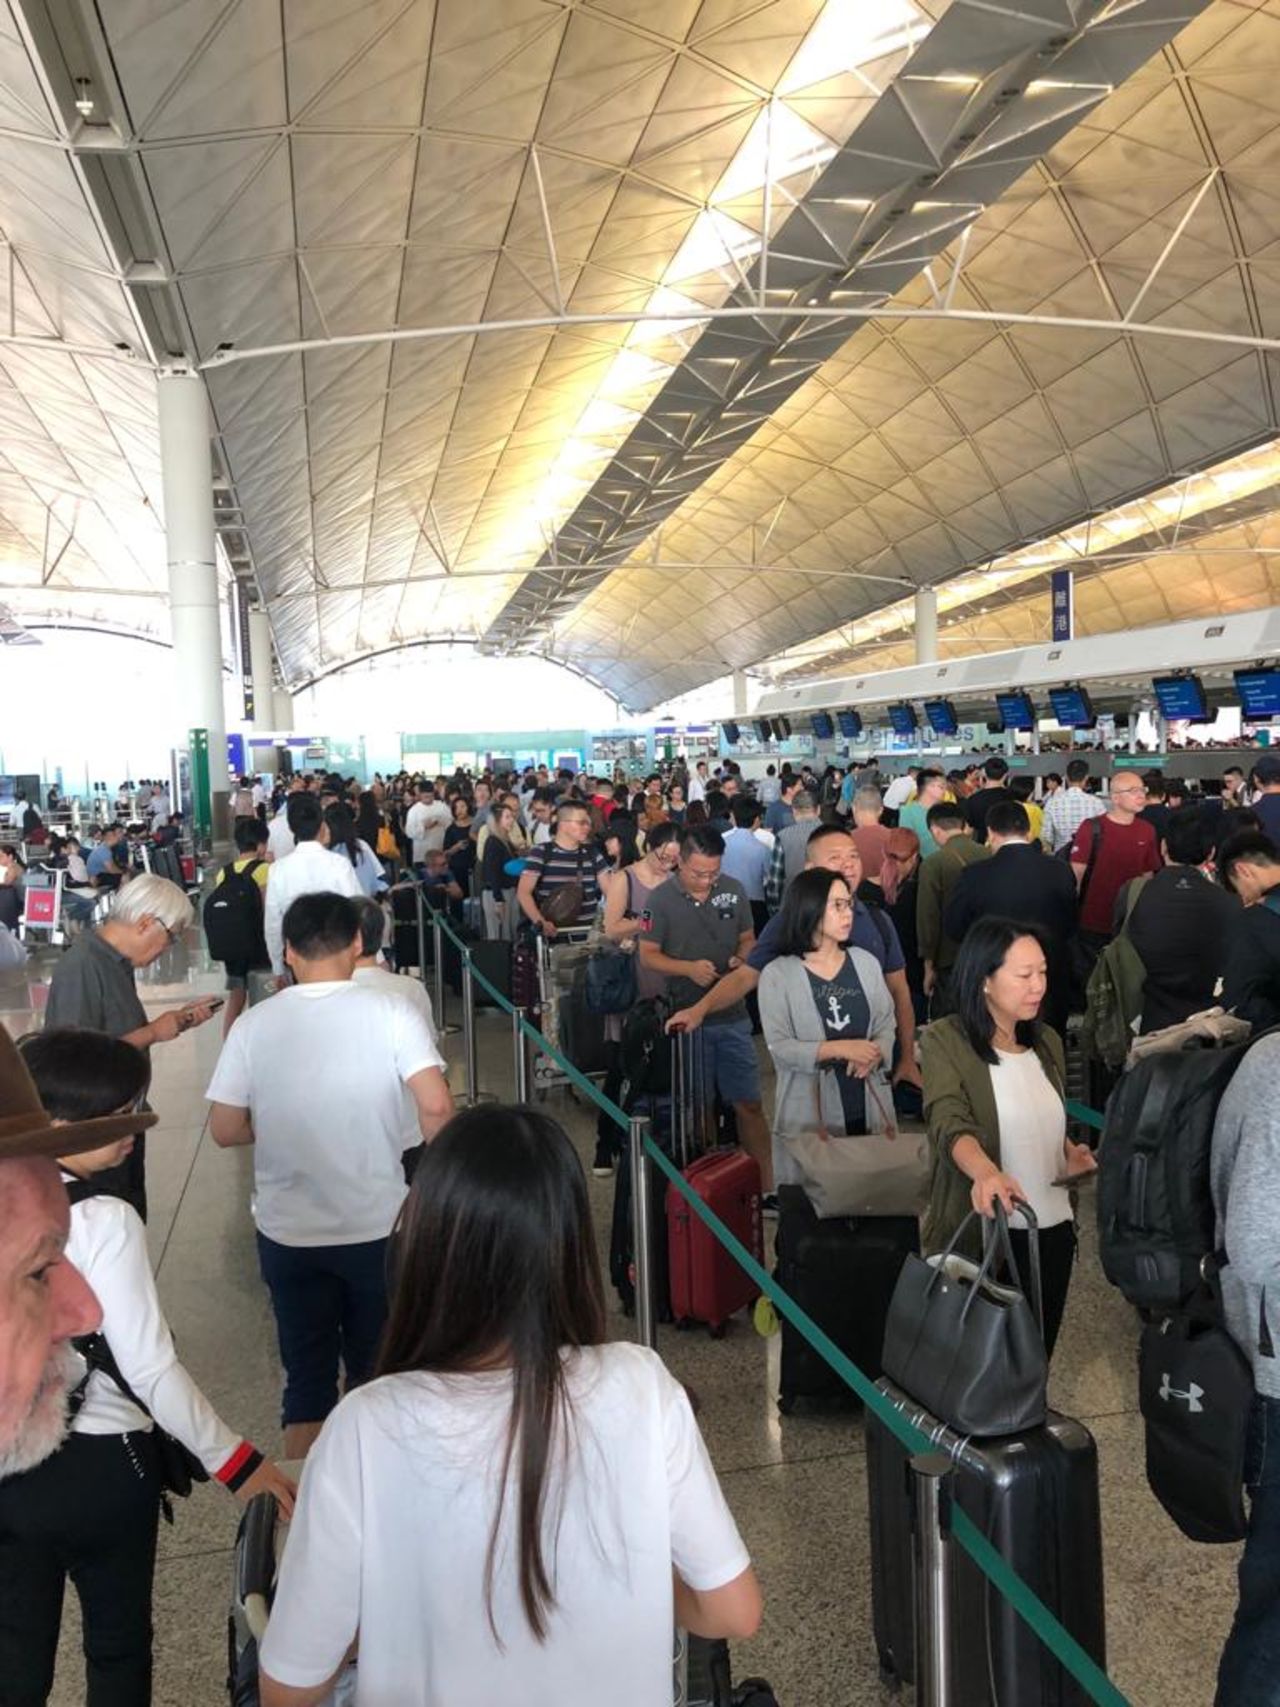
{"x":85,"y":102}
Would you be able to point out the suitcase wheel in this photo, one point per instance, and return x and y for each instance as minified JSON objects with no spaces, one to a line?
{"x":717,"y":1329}
{"x":786,"y":1404}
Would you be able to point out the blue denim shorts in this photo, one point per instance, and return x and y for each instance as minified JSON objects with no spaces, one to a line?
{"x":729,"y":1061}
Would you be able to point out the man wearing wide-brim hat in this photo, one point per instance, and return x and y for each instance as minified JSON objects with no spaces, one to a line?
{"x":44,"y":1301}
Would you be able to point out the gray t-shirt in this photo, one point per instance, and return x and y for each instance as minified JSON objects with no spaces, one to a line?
{"x":93,"y":986}
{"x":686,"y":929}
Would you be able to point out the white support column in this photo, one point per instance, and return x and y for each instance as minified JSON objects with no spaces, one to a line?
{"x":926,"y":625}
{"x":739,"y":693}
{"x":283,"y":702}
{"x":264,"y":711}
{"x":196,"y":614}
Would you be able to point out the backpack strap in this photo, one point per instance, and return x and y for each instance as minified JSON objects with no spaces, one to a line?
{"x":1095,"y":844}
{"x":1133,"y":894}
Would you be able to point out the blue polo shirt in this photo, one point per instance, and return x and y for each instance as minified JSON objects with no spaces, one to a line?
{"x":877,"y":935}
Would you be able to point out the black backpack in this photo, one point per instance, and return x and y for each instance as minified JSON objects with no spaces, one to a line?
{"x":644,"y":1053}
{"x":233,"y":918}
{"x":1155,"y":1211}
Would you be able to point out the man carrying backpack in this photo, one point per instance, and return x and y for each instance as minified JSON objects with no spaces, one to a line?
{"x":1245,"y":1181}
{"x":233,"y":916}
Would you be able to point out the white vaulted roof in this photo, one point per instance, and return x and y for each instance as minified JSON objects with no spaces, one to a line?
{"x":324,"y":203}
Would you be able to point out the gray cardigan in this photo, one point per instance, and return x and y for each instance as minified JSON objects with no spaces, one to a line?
{"x":793,"y":1030}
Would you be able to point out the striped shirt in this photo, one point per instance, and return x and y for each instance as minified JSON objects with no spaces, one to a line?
{"x":1065,"y":812}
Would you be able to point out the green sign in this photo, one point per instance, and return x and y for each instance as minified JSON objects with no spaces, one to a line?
{"x":201,"y":798}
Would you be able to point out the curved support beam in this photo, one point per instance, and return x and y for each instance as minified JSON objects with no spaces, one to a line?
{"x":708,"y":316}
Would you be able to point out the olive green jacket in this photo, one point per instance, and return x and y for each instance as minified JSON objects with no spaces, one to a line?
{"x":959,"y":1099}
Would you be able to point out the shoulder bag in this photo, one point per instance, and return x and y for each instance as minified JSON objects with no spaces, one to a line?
{"x":610,"y":984}
{"x":965,"y":1345}
{"x":869,"y":1173}
{"x":180,"y":1469}
{"x":564,"y":904}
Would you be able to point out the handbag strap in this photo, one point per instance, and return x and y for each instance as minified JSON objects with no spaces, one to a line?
{"x":991,"y":1239}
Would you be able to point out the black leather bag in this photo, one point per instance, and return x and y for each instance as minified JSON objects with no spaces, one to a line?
{"x":180,"y":1469}
{"x":966,"y":1345}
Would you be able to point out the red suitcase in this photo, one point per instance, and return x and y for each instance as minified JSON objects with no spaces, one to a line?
{"x":706,"y":1283}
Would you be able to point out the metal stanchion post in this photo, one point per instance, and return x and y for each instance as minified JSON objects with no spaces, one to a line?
{"x":642,"y":1233}
{"x":931,"y":1499}
{"x":521,"y":1055}
{"x":443,"y":1028}
{"x":420,"y":907}
{"x":469,"y":1053}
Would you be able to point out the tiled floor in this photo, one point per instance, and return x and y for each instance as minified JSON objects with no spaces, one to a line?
{"x":796,"y":1484}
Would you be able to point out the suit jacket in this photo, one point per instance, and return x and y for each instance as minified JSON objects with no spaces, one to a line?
{"x":1022,"y":883}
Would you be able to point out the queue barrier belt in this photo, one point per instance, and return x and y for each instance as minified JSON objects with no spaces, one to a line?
{"x":1064,"y":1647}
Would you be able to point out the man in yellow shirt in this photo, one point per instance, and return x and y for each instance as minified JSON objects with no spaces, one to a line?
{"x":251,"y":857}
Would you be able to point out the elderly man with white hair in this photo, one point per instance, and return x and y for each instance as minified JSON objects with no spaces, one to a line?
{"x":44,"y":1301}
{"x":93,"y":986}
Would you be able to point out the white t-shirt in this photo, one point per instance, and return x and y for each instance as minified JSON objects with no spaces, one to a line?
{"x":393,"y":1523}
{"x":321,"y":1069}
{"x":1033,"y":1130}
{"x":309,"y":870}
{"x":280,"y":842}
{"x":899,"y":792}
{"x":399,"y":987}
{"x":425,"y":824}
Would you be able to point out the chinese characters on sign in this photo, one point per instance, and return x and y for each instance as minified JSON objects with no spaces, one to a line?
{"x":1062,"y":602}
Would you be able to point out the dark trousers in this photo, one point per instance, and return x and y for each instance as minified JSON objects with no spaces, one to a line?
{"x":1249,"y":1674}
{"x":330,"y":1304}
{"x":89,"y":1513}
{"x":1057,"y":1256}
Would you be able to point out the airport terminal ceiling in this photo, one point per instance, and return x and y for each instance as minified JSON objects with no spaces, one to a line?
{"x":663,"y":339}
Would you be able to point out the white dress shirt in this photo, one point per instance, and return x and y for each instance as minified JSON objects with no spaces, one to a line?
{"x":308,"y":870}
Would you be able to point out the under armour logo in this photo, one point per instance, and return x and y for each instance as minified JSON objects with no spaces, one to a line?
{"x":1193,"y":1395}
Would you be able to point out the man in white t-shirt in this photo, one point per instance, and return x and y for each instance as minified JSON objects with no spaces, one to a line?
{"x":314,"y":1079}
{"x":698,"y":781}
{"x":310,"y":868}
{"x":426,"y":822}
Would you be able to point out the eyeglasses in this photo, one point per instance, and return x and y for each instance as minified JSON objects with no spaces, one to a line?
{"x":840,"y":906}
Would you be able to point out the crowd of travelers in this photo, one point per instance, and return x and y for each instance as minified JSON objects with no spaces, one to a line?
{"x":914,"y":947}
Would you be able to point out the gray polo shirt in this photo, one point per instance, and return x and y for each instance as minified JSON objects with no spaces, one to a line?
{"x":93,"y":985}
{"x":710,"y":930}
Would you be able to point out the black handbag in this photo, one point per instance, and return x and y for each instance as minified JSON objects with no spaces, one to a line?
{"x":611,"y":986}
{"x":965,"y":1345}
{"x":1195,"y":1391}
{"x":180,"y":1469}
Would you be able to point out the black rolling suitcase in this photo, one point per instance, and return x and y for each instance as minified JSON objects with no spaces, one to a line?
{"x":842,"y":1272}
{"x":1035,"y":1496}
{"x":492,"y":960}
{"x":582,"y":1035}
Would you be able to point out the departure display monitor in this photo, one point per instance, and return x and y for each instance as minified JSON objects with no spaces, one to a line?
{"x":781,"y":728}
{"x":822,"y":725}
{"x":1072,"y":707}
{"x":850,"y":724}
{"x":1259,"y":692}
{"x":902,"y":719}
{"x":1016,"y":712}
{"x":1182,"y":698}
{"x":731,"y":733}
{"x":764,"y":729}
{"x":941,"y":717}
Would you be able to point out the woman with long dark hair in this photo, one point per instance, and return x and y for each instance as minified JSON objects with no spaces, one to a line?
{"x":515,"y":1509}
{"x":344,"y":840}
{"x":994,"y":1088}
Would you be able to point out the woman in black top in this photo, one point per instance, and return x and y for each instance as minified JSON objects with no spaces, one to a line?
{"x":497,"y":884}
{"x":460,"y":845}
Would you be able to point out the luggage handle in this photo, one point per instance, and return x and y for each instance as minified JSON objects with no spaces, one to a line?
{"x":1033,"y":1245}
{"x":258,"y":1547}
